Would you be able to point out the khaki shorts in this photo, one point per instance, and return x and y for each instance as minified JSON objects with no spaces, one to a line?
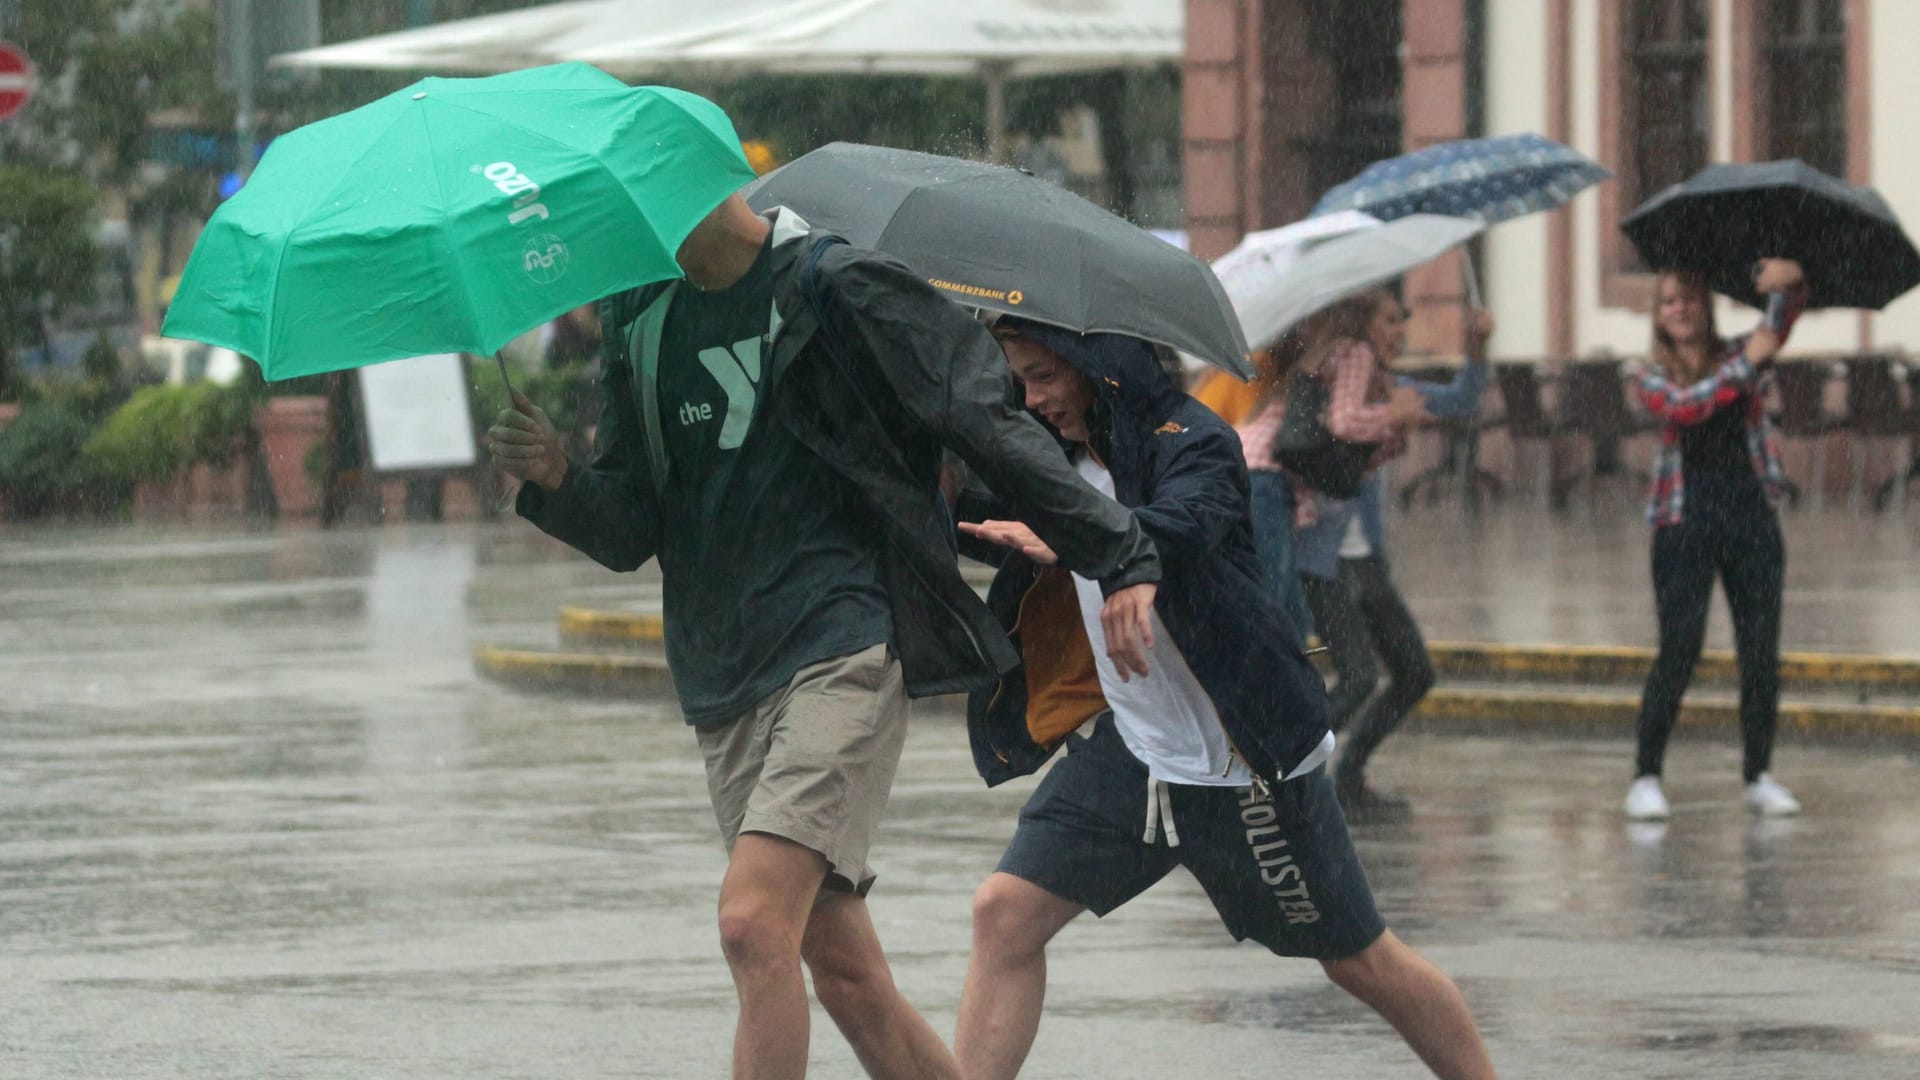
{"x":814,"y":763}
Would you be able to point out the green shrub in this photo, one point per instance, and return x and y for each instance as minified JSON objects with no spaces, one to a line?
{"x":163,"y":429}
{"x":42,"y":465}
{"x":102,"y":361}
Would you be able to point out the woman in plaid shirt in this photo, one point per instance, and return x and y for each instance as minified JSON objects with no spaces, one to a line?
{"x":1712,"y":512}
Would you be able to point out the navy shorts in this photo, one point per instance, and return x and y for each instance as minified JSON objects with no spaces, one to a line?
{"x":1280,"y":869}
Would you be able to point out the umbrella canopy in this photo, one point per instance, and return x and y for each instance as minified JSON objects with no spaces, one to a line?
{"x":1000,"y":239}
{"x":992,"y":40}
{"x":1495,"y":179}
{"x":453,"y":215}
{"x":530,"y":37}
{"x":1254,"y":273}
{"x":1346,"y":265}
{"x":1723,"y":218}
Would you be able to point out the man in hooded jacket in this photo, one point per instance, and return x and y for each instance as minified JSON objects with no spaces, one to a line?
{"x":1214,"y":759}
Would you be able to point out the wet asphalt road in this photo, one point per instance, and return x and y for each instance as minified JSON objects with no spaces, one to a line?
{"x":259,"y":819}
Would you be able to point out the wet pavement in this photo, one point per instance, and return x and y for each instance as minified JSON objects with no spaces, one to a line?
{"x":258,"y":818}
{"x":1521,"y":576}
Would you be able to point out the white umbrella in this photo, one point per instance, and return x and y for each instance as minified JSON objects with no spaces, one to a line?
{"x":1345,"y":265}
{"x":1254,"y":272}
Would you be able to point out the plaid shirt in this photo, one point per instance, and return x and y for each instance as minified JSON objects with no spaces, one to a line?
{"x":1357,"y":408}
{"x":1735,"y":384}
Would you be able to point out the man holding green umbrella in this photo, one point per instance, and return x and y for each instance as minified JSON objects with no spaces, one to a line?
{"x":777,"y":406}
{"x":773,"y":434}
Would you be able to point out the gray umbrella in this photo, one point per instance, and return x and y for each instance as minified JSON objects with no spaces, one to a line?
{"x":1346,"y":265}
{"x":1000,"y":239}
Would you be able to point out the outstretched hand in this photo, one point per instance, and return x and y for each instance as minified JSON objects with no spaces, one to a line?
{"x":1126,"y":618}
{"x":1012,"y":534}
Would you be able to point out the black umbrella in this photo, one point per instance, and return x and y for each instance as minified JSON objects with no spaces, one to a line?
{"x":1723,"y":218}
{"x":1001,"y":239}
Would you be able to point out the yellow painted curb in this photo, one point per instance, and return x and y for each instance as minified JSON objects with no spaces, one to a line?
{"x":1451,"y":659}
{"x":583,"y":626}
{"x":1499,"y":711}
{"x":578,"y":672}
{"x":1532,"y":710}
{"x":1602,"y":663}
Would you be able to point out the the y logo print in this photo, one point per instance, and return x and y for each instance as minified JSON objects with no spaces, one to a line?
{"x":737,"y":370}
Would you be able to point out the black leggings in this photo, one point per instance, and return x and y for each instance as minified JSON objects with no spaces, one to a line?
{"x":1358,"y":616}
{"x":1727,"y":528}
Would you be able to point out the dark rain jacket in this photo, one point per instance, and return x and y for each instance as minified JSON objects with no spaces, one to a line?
{"x":1181,"y":469}
{"x":898,"y":373}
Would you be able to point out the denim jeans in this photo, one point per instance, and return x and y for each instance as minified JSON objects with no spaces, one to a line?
{"x":1273,"y":538}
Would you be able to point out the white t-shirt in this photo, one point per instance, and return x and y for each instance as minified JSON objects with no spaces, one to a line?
{"x":1354,"y":545}
{"x":1164,"y":717}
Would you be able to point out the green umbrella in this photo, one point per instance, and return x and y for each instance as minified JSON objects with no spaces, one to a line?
{"x":452,"y":216}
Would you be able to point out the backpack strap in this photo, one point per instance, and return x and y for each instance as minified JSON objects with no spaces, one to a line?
{"x":634,"y":320}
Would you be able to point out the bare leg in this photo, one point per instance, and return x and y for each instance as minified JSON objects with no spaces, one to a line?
{"x":1013,"y":919}
{"x":854,"y":984}
{"x":765,"y":902}
{"x":1421,"y":1003}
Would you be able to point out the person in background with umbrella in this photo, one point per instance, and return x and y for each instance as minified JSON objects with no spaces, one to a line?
{"x":1357,"y":610}
{"x":772,"y":431}
{"x":1254,"y":409}
{"x":1220,"y":749}
{"x":1711,"y":509}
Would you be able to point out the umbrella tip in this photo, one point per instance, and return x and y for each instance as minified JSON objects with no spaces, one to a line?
{"x":420,"y":95}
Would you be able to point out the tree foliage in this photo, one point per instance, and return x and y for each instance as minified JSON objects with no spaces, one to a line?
{"x":46,"y":256}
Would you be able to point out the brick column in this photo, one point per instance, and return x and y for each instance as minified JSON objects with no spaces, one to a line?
{"x":1215,"y":126}
{"x":1434,"y":103}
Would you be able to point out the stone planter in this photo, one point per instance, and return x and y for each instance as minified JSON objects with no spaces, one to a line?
{"x":290,"y":427}
{"x":201,"y":492}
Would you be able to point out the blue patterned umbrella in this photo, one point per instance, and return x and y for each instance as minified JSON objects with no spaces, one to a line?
{"x":1492,"y":180}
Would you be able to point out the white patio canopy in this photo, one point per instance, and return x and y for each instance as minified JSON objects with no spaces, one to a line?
{"x":992,"y":40}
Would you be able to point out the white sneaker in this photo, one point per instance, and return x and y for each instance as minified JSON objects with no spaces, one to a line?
{"x":1767,"y":798}
{"x":1645,"y":800}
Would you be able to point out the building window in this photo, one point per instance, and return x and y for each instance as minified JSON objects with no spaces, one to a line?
{"x":1804,"y":46}
{"x":1666,"y":53}
{"x":1360,"y":42}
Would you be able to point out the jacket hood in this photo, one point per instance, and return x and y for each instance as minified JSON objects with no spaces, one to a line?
{"x":1125,"y":370}
{"x":1128,"y":380}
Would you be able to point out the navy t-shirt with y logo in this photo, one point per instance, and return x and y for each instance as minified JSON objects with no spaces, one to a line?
{"x":766,"y":564}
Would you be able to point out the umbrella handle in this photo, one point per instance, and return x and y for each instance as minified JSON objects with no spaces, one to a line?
{"x":1473,"y":281}
{"x":510,"y":493}
{"x":500,"y":358}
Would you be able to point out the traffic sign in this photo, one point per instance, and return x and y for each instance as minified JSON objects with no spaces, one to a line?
{"x":16,"y":79}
